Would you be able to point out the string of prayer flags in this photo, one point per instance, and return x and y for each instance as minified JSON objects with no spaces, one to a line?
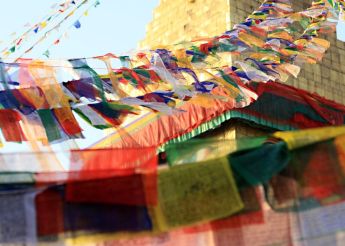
{"x":278,"y":106}
{"x":57,"y":11}
{"x":160,"y":79}
{"x":142,"y":79}
{"x":76,"y":24}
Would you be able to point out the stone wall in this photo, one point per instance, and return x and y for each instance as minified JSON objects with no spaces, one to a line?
{"x":328,"y":77}
{"x":182,"y":20}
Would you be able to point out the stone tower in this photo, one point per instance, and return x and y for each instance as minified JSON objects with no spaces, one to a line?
{"x":183,"y":20}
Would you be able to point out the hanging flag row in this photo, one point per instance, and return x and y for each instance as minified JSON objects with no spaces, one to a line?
{"x":49,"y":24}
{"x":44,"y":93}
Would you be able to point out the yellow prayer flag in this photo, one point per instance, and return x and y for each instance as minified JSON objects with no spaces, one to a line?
{"x":195,"y":193}
{"x":298,"y":139}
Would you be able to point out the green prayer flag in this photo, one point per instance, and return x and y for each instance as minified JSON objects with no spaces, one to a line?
{"x":206,"y":149}
{"x":257,"y":166}
{"x":46,"y":53}
{"x":50,"y":125}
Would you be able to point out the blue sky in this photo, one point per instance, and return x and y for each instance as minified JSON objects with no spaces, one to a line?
{"x":114,"y":26}
{"x":341,"y":31}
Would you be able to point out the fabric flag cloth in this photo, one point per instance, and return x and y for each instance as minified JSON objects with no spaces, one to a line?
{"x":194,"y":193}
{"x":76,"y":217}
{"x":17,"y":217}
{"x":278,"y":107}
{"x":77,"y":24}
{"x":260,"y":191}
